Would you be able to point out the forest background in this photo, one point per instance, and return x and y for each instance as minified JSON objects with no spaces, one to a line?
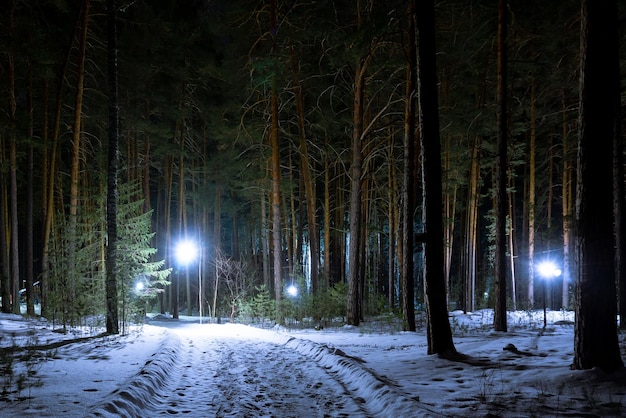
{"x":241,"y":127}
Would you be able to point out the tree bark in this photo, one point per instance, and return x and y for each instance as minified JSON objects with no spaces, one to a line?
{"x":112,"y":322}
{"x":14,"y":244}
{"x":595,"y":330}
{"x":407,"y":282}
{"x":499,"y":320}
{"x":354,"y":248}
{"x":532,"y":150}
{"x":567,"y":209}
{"x":307,"y":178}
{"x":438,"y":331}
{"x":30,"y":258}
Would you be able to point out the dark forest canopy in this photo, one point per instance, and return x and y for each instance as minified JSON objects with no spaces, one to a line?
{"x":197,"y":84}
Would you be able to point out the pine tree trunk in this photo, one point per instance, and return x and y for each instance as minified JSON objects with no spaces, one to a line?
{"x":327,"y":212}
{"x":354,"y":266}
{"x":391,"y":220}
{"x":51,"y":177}
{"x":438,"y":332}
{"x":450,"y":202}
{"x":567,"y":211}
{"x":532,"y":152}
{"x":14,"y":243}
{"x":275,"y":197}
{"x":307,"y":178}
{"x":595,"y":330}
{"x":499,"y":321}
{"x":5,"y":270}
{"x":112,"y":322}
{"x":30,"y":258}
{"x":407,"y":282}
{"x":471,"y":228}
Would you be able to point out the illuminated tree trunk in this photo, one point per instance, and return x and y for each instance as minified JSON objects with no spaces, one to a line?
{"x":51,"y":174}
{"x":275,"y":165}
{"x":169,"y":184}
{"x":392,"y":196}
{"x":327,"y":239}
{"x":567,"y":209}
{"x":69,"y":283}
{"x":471,"y":229}
{"x":532,"y":151}
{"x":30,"y":258}
{"x":449,"y":202}
{"x":307,"y":179}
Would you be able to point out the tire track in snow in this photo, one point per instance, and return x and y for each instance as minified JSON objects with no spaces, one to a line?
{"x":228,"y":378}
{"x":205,"y":375}
{"x":140,"y":392}
{"x":379,"y":397}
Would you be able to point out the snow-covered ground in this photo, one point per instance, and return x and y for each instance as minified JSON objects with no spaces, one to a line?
{"x":185,"y":368}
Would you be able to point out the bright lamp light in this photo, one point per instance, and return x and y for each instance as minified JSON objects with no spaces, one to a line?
{"x":548,"y":269}
{"x":292,"y":291}
{"x":186,"y":252}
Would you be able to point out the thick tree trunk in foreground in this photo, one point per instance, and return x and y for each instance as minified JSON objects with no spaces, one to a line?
{"x":439,"y":332}
{"x":595,"y":330}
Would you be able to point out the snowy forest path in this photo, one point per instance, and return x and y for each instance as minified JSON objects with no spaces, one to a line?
{"x":223,"y":376}
{"x":208,"y":370}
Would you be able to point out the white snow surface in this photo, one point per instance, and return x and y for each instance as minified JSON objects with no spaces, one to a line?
{"x":191,"y":369}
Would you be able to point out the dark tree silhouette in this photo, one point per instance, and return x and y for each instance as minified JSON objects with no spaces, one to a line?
{"x":595,"y":340}
{"x":499,"y":318}
{"x":439,"y":332}
{"x":112,"y":323}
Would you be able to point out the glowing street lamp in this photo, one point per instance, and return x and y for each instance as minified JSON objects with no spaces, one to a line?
{"x":186,"y":253}
{"x":292,"y":291}
{"x":548,"y":270}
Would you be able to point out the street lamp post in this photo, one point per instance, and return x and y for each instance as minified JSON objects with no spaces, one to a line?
{"x":548,"y":270}
{"x":186,"y":253}
{"x":200,"y":285}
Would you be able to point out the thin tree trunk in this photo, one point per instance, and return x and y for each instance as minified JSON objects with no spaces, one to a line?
{"x":72,"y":226}
{"x":30,"y":259}
{"x":499,"y":320}
{"x":567,"y":210}
{"x":5,"y":272}
{"x":14,"y":244}
{"x":531,"y":203}
{"x":275,"y":197}
{"x":48,"y":197}
{"x":307,"y":178}
{"x":511,"y":241}
{"x":275,"y":192}
{"x":392,"y":207}
{"x":265,"y":240}
{"x":407,"y":282}
{"x":112,"y":322}
{"x":450,"y":201}
{"x":471,"y":228}
{"x":327,"y":239}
